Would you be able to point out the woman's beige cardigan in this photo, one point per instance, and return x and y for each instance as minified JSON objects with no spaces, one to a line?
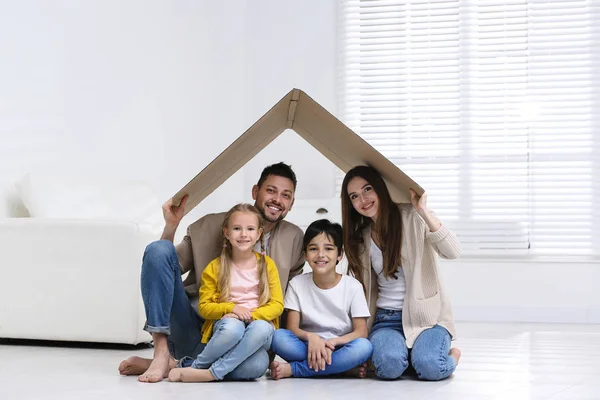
{"x":425,"y":303}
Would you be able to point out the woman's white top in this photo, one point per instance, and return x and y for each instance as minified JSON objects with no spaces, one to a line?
{"x":391,"y":291}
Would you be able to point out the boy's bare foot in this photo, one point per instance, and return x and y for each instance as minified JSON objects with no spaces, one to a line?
{"x":357,"y":372}
{"x":455,"y":353}
{"x":190,"y":375}
{"x":159,"y":369}
{"x":280,"y":370}
{"x":134,"y":366}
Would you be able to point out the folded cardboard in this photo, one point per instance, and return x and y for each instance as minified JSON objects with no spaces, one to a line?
{"x":300,"y":113}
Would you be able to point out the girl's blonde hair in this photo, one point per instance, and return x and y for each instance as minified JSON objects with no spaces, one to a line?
{"x":224,"y":279}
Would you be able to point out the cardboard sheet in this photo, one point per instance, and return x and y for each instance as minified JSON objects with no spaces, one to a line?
{"x":299,"y":112}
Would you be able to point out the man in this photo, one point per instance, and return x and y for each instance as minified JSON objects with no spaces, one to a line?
{"x":171,"y":305}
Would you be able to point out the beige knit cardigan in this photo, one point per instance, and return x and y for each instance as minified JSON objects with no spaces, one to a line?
{"x":425,"y":303}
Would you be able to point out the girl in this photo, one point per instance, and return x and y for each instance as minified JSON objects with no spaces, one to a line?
{"x":240,"y":300}
{"x":327,"y":313}
{"x":392,"y":249}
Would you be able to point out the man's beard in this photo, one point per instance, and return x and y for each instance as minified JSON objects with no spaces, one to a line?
{"x":268,"y":218}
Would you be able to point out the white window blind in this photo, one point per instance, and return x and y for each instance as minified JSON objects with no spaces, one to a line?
{"x":492,"y":106}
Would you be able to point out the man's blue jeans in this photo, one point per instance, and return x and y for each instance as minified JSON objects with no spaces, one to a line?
{"x":235,"y":351}
{"x":429,"y":355}
{"x":168,"y":309}
{"x":293,"y":350}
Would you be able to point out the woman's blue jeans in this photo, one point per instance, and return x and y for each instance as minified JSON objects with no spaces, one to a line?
{"x":429,"y":355}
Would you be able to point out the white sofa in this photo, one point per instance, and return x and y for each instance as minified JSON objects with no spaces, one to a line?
{"x":70,"y":279}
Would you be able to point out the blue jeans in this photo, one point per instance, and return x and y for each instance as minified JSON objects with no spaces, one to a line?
{"x":429,"y":355}
{"x":235,"y":351}
{"x":295,"y":351}
{"x":168,"y":309}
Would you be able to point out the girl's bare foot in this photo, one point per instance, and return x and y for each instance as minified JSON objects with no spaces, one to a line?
{"x":280,"y":370}
{"x":455,"y":353}
{"x":190,"y":375}
{"x":159,"y":369}
{"x":357,"y":372}
{"x":175,"y":375}
{"x":134,"y":366}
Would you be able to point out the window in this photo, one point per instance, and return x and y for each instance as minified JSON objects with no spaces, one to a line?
{"x":492,"y":106}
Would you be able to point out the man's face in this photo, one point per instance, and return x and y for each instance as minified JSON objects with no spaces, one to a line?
{"x":274,"y":198}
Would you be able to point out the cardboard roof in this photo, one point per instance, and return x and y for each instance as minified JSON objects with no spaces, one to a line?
{"x":297,"y":111}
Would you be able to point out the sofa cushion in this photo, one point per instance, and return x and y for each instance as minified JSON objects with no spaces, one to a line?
{"x":47,"y":196}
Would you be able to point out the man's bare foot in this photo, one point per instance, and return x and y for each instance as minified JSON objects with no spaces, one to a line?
{"x":190,"y":375}
{"x":280,"y":370}
{"x":357,"y":372}
{"x":158,"y":369}
{"x":455,"y":353}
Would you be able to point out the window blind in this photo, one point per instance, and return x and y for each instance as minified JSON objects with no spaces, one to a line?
{"x":492,"y":106}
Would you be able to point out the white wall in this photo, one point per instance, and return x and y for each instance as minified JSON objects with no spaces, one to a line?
{"x":154,"y":90}
{"x":544,"y":291}
{"x":133,"y":89}
{"x":292,"y":44}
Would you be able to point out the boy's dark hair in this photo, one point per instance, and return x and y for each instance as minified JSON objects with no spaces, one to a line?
{"x":331,"y":229}
{"x":279,"y":169}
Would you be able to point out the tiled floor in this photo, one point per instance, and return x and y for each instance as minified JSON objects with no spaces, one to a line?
{"x":500,"y":361}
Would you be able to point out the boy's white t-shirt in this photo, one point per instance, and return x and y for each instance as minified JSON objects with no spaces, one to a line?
{"x":326,"y":312}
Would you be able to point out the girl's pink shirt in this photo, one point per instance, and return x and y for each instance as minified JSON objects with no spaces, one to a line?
{"x":244,"y":287}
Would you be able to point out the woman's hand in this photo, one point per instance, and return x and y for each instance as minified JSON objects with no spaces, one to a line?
{"x":319,"y":355}
{"x":419,"y":202}
{"x":242,"y":313}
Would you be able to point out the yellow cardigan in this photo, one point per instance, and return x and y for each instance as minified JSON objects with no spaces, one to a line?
{"x":211,"y":310}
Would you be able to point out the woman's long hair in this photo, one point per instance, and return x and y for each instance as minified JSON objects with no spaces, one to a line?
{"x":388,"y":226}
{"x":224,"y":279}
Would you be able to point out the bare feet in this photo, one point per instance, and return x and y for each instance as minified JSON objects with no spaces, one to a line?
{"x":358,"y":372}
{"x":455,"y":353}
{"x":280,"y":370}
{"x":190,"y":375}
{"x":159,"y":369}
{"x":134,"y":366}
{"x":175,"y":375}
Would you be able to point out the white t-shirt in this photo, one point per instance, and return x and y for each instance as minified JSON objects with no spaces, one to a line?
{"x":326,"y":312}
{"x":391,"y":291}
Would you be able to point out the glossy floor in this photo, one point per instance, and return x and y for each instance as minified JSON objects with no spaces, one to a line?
{"x":500,"y":361}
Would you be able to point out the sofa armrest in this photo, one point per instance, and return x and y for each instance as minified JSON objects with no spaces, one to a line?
{"x":71,"y":280}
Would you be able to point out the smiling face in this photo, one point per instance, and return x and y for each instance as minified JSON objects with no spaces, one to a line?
{"x":322,"y":254}
{"x":363,"y":197}
{"x":274,"y":198}
{"x":242,"y":231}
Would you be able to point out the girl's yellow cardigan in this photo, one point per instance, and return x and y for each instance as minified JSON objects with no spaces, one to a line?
{"x":211,"y":310}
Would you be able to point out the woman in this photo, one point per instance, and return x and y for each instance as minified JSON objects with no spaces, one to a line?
{"x":392,"y":250}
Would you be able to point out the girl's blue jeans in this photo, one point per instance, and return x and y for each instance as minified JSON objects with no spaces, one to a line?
{"x":168,"y":311}
{"x":235,"y":351}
